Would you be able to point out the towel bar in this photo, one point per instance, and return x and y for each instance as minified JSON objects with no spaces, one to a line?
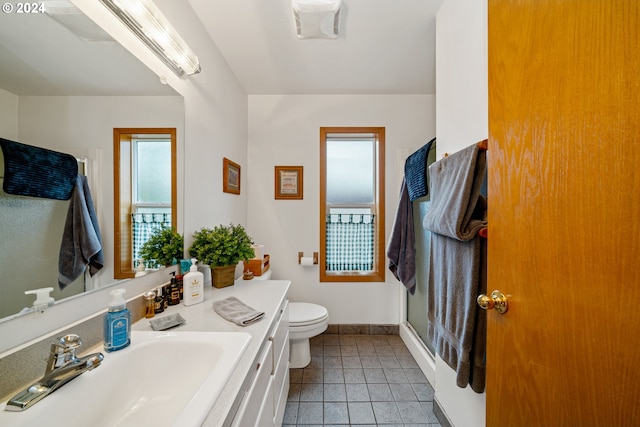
{"x":482,"y":145}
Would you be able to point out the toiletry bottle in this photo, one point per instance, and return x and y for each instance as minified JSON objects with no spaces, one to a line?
{"x":43,"y":299}
{"x":174,"y":291}
{"x":140,"y":269}
{"x":159,"y":307}
{"x":165,"y":296}
{"x":149,"y":304}
{"x":180,"y":280}
{"x":117,"y":322}
{"x":193,"y":283}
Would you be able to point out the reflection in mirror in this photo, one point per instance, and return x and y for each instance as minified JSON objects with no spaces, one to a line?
{"x":30,"y":237}
{"x":145,"y":195}
{"x":61,"y":90}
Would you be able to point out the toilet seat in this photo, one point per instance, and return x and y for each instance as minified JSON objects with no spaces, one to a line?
{"x":305,"y":314}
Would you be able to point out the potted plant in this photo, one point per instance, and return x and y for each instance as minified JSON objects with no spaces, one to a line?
{"x":221,"y":248}
{"x":164,"y":247}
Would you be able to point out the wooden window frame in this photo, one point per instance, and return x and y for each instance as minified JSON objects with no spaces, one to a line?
{"x":122,"y":228}
{"x":378,"y":273}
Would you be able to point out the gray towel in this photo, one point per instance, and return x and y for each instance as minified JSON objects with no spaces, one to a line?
{"x":401,"y":250}
{"x":457,"y":327}
{"x":81,"y":242}
{"x":234,"y":310}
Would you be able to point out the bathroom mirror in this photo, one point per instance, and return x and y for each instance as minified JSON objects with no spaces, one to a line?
{"x":64,"y":85}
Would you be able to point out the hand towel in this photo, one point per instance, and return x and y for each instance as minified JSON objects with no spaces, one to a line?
{"x":81,"y":242}
{"x":457,"y":327}
{"x":415,"y":172}
{"x":37,"y":172}
{"x":401,"y":250}
{"x":234,"y":310}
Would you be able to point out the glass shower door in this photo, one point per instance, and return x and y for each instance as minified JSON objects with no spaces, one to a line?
{"x":417,"y":303}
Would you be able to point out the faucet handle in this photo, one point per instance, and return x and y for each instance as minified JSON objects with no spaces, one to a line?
{"x":64,"y":349}
{"x":69,"y":342}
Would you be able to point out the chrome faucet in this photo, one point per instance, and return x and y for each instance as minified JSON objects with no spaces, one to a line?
{"x":63,"y":366}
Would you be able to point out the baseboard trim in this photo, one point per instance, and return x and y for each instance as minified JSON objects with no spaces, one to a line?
{"x":362,"y":329}
{"x":440,"y":414}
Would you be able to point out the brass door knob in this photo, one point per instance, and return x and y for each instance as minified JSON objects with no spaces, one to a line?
{"x":497,"y":300}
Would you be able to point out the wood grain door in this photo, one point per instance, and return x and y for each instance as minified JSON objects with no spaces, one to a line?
{"x":564,"y":212}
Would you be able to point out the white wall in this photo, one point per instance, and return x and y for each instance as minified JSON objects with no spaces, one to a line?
{"x":8,"y":115}
{"x":462,"y":119}
{"x":285,"y":131}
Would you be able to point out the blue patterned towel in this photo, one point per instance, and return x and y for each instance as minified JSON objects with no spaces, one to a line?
{"x":415,"y":172}
{"x":37,"y":172}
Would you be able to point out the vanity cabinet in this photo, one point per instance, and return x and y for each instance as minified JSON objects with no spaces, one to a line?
{"x":267,"y":387}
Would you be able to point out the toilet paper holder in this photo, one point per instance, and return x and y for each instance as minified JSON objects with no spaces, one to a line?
{"x":301,"y":254}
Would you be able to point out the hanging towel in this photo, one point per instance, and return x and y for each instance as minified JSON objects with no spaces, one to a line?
{"x":415,"y":172}
{"x":37,"y":172}
{"x":81,"y":242}
{"x":457,"y":327}
{"x":401,"y":250}
{"x":234,"y":310}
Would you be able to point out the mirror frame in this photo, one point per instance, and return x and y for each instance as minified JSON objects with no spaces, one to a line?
{"x":122,"y":239}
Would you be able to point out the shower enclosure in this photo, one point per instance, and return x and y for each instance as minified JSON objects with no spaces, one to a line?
{"x":417,"y":304}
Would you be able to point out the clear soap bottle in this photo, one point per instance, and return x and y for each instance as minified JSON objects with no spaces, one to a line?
{"x":117,"y":322}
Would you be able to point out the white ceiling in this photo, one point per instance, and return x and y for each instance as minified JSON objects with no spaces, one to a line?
{"x":384,"y":47}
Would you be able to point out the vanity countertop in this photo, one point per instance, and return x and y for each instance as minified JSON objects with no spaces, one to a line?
{"x":262,"y":295}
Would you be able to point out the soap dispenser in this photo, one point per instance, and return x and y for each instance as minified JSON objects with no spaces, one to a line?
{"x":140,"y":269}
{"x":117,"y":322}
{"x":193,"y":285}
{"x":43,"y":299}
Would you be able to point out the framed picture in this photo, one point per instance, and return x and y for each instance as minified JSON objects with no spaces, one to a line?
{"x":230,"y":176}
{"x":288,"y":180}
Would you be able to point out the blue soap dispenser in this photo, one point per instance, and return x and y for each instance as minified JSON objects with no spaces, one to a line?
{"x":117,"y":322}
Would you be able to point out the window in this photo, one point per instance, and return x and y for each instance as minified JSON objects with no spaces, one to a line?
{"x":352,"y":204}
{"x":151,"y":187}
{"x":144,"y":190}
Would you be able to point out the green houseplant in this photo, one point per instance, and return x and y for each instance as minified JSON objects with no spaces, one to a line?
{"x":165,"y":246}
{"x":221,"y":248}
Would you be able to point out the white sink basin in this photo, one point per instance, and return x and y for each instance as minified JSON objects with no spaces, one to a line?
{"x":161,"y":379}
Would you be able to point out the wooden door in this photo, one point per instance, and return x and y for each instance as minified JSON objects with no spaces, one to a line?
{"x":564,"y":212}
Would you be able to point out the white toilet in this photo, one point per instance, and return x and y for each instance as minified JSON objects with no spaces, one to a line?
{"x":306,"y":320}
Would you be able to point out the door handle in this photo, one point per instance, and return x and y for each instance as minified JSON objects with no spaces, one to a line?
{"x":497,"y":300}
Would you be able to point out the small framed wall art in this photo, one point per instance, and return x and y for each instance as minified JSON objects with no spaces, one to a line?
{"x":289,"y":182}
{"x":230,"y":176}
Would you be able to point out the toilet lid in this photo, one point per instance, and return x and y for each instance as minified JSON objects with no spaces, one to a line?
{"x":304,"y":313}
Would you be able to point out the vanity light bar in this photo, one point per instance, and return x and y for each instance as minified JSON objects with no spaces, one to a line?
{"x":146,"y":21}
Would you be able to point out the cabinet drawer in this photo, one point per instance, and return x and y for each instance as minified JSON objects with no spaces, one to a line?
{"x":280,"y":336}
{"x":254,"y":398}
{"x":281,"y":384}
{"x":265,"y":414}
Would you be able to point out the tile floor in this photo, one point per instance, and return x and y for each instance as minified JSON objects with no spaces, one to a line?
{"x":360,"y":380}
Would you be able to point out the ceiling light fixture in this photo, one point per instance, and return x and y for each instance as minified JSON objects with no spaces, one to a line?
{"x":146,"y":21}
{"x":72,"y":18}
{"x":316,"y":19}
